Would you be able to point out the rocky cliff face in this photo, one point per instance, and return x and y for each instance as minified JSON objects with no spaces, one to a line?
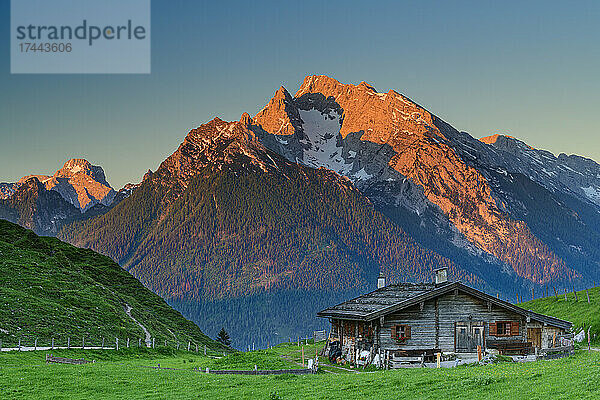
{"x":7,"y":189}
{"x":36,"y":208}
{"x":78,"y":182}
{"x":572,"y":174}
{"x":403,"y":156}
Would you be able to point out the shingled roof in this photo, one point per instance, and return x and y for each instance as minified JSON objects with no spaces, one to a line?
{"x":396,"y":297}
{"x":367,"y":304}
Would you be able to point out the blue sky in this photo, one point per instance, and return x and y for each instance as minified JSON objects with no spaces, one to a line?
{"x":528,"y":69}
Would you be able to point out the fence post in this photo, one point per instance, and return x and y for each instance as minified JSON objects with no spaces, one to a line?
{"x":204,"y":349}
{"x":102,"y":343}
{"x":189,"y":346}
{"x":52,"y":345}
{"x":565,"y":294}
{"x":555,"y":293}
{"x":83,"y":343}
{"x":69,"y":342}
{"x":196,"y":347}
{"x":117,"y":343}
{"x":127,"y":342}
{"x":152,"y":342}
{"x":0,"y":344}
{"x":165,"y":343}
{"x":588,"y":295}
{"x":19,"y":344}
{"x":575,"y":293}
{"x":303,"y":356}
{"x":140,"y":342}
{"x":177,"y":345}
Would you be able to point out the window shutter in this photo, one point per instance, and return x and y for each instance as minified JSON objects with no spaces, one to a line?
{"x":407,"y":331}
{"x":514,"y":329}
{"x":394,"y":332}
{"x":493,"y":329}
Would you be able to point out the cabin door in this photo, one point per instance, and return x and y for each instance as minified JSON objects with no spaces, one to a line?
{"x":477,"y":337}
{"x":462,"y":337}
{"x":534,"y":335}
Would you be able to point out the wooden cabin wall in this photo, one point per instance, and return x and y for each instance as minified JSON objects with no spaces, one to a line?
{"x":422,"y":327}
{"x":451,"y":308}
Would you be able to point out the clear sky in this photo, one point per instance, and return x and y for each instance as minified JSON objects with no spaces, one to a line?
{"x":529,"y":69}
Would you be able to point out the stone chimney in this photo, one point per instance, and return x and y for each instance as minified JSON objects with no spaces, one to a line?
{"x":441,"y":276}
{"x":381,"y":281}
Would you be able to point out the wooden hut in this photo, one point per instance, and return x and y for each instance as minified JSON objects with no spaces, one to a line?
{"x":423,"y":319}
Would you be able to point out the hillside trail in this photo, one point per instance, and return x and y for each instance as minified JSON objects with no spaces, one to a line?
{"x":128,"y":308}
{"x":148,"y":339}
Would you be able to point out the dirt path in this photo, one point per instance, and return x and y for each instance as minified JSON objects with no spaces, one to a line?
{"x":148,"y":339}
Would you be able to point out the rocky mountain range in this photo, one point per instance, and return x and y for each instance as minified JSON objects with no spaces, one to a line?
{"x":44,"y":203}
{"x":309,"y":200}
{"x":408,"y":161}
{"x":78,"y":182}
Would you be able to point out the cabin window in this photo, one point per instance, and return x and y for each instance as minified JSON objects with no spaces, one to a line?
{"x":504,"y":328}
{"x":400,"y":332}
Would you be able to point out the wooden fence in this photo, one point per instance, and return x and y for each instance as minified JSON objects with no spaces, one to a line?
{"x":87,"y":344}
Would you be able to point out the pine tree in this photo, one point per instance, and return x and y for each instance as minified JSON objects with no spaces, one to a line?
{"x":223,"y":337}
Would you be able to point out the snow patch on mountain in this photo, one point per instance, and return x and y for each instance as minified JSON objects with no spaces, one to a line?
{"x":592,"y":193}
{"x":322,"y":131}
{"x":361,"y":175}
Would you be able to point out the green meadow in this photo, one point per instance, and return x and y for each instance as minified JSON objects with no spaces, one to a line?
{"x":582,"y":314}
{"x":124,"y":374}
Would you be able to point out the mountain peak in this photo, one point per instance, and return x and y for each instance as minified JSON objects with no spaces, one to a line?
{"x":494,"y":138}
{"x":32,"y":182}
{"x":246,"y":120}
{"x":76,"y":166}
{"x":81,"y":184}
{"x":279,"y":116}
{"x":282,"y":94}
{"x":505,"y":142}
{"x":321,"y":83}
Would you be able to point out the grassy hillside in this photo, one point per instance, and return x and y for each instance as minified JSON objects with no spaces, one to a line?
{"x":50,"y":289}
{"x":580,"y":313}
{"x":122,"y":375}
